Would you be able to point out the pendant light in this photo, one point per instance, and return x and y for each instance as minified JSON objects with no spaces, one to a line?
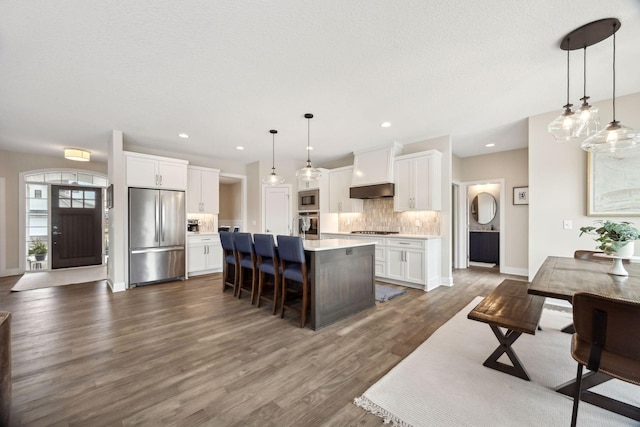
{"x":588,"y":122}
{"x":308,"y":173}
{"x":273,"y":178}
{"x":615,"y":136}
{"x":563,"y":126}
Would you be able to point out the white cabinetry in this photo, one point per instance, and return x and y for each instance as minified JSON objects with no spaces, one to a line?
{"x":417,"y":179}
{"x":155,"y":172}
{"x":205,"y":254}
{"x":374,"y":166}
{"x":413,"y":262}
{"x":339,"y":183}
{"x":203,"y":190}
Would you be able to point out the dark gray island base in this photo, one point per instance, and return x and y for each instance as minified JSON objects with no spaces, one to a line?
{"x":341,"y":275}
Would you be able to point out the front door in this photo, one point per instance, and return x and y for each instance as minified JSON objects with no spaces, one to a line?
{"x":76,"y":226}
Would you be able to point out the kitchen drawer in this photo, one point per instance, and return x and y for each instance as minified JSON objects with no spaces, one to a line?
{"x":406,"y":243}
{"x":205,"y":238}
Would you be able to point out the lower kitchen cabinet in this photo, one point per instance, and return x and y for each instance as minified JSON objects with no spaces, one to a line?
{"x":414,"y":262}
{"x":205,"y":254}
{"x":407,"y":261}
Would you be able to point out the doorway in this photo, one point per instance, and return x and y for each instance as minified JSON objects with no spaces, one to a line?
{"x":481,"y":223}
{"x":35,"y":220}
{"x":76,"y":226}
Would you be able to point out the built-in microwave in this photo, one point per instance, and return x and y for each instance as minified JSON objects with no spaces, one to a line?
{"x":309,"y":200}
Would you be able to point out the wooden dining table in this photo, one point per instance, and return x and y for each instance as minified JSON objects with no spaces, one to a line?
{"x":560,"y":278}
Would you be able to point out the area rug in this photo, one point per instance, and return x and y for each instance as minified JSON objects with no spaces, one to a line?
{"x":385,"y":293}
{"x":443,"y":382}
{"x":69,"y":276}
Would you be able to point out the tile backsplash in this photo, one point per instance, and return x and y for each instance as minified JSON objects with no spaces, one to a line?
{"x":207,"y":223}
{"x":378,"y":215}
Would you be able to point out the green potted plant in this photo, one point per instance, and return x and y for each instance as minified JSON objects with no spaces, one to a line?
{"x":38,"y":248}
{"x":614,"y":237}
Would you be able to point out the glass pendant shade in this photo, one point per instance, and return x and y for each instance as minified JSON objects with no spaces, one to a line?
{"x":273,"y":178}
{"x":588,"y":121}
{"x":308,"y":173}
{"x":613,"y":138}
{"x":563,"y":127}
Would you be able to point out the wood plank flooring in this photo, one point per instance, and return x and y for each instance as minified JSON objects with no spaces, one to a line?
{"x":186,"y":354}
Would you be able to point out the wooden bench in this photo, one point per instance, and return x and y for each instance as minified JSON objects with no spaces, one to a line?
{"x":509,"y":306}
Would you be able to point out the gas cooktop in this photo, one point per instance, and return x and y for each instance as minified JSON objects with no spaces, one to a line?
{"x":374,"y":232}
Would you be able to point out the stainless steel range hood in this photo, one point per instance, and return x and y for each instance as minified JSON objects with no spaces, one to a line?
{"x":377,"y":191}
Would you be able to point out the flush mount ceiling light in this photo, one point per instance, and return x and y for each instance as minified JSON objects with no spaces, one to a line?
{"x":615,"y":136}
{"x":183,"y":135}
{"x":273,"y":178}
{"x":239,"y":148}
{"x":385,"y":124}
{"x":77,"y":154}
{"x":308,"y":173}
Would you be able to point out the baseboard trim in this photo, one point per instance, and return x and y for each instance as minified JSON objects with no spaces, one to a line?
{"x":117,"y":287}
{"x":10,"y":272}
{"x":515,"y":271}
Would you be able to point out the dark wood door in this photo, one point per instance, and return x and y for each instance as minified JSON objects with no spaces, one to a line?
{"x":76,"y":226}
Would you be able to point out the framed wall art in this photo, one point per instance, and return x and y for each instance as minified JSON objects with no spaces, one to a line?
{"x":613,"y":183}
{"x":520,"y":195}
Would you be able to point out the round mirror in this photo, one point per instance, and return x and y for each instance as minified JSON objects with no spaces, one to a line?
{"x":483,"y":208}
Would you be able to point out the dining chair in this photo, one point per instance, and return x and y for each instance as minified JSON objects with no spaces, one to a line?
{"x":294,"y":269}
{"x":229,"y":262}
{"x":607,"y":342}
{"x":268,"y":264}
{"x":246,"y":256}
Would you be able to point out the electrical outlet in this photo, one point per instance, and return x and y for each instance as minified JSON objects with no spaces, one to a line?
{"x":566,"y":224}
{"x":418,"y":223}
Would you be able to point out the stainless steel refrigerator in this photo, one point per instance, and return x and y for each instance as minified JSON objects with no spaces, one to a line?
{"x":156,"y":235}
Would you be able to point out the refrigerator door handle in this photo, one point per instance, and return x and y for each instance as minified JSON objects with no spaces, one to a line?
{"x":156,"y":237}
{"x":157,"y":250}
{"x":162,"y":215}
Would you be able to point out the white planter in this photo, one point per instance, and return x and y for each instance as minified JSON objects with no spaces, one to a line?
{"x":626,"y":251}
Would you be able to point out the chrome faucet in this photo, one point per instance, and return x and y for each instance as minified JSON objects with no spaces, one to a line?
{"x":306,"y":224}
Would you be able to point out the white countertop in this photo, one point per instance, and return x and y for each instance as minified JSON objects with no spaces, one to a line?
{"x":329,"y":244}
{"x":202,"y":233}
{"x":392,"y":236}
{"x":484,"y":231}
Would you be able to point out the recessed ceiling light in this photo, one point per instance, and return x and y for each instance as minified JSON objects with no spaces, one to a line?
{"x":385,"y":124}
{"x":491,"y":144}
{"x":183,"y":135}
{"x":240,"y":148}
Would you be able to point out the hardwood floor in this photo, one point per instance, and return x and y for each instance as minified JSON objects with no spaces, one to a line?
{"x":184,"y":353}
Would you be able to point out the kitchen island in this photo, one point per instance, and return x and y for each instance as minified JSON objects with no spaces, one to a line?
{"x":341,"y":276}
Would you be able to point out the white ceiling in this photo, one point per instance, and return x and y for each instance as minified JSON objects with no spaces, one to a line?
{"x":226,"y":72}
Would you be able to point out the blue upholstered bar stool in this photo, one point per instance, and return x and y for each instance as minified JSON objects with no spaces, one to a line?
{"x":294,"y":269}
{"x":229,"y":262}
{"x":246,"y":256}
{"x":268,"y":263}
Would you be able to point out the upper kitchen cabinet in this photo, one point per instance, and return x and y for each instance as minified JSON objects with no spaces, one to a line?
{"x":339,"y":184}
{"x":203,"y":190}
{"x":374,"y":166}
{"x":149,"y":171}
{"x":418,"y":182}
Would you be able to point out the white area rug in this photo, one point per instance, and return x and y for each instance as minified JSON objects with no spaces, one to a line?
{"x":443,"y":382}
{"x":47,"y":279}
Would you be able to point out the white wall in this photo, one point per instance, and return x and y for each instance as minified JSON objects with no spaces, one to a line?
{"x":558,"y":185}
